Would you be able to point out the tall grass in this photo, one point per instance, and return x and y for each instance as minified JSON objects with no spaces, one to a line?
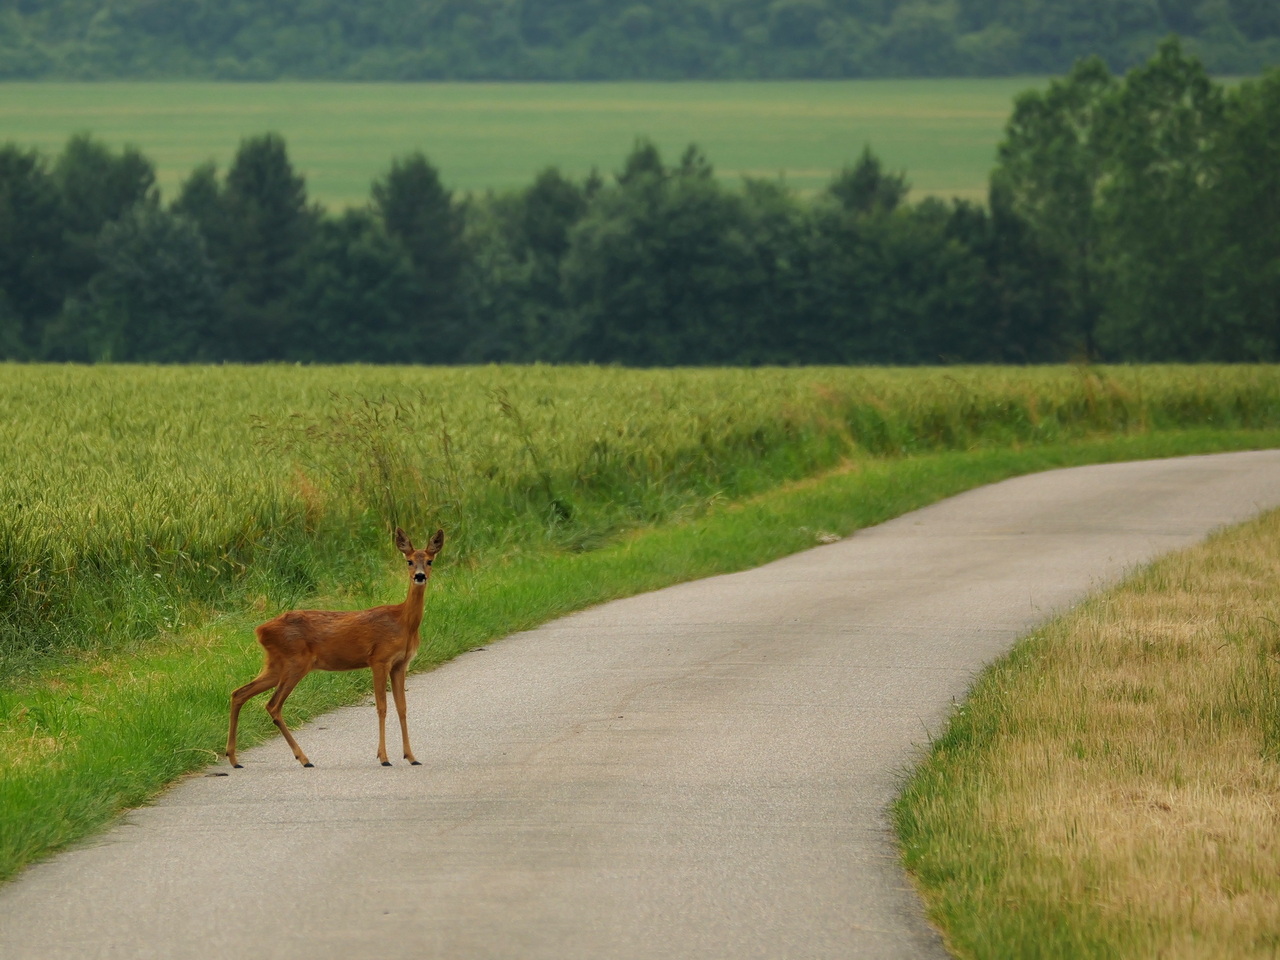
{"x":141,"y":500}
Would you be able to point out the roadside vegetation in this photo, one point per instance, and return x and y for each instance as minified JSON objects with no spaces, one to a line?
{"x":152,"y":516}
{"x":1111,"y":787}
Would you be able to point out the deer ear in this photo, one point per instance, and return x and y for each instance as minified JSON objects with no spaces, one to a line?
{"x":402,"y":542}
{"x":436,"y":542}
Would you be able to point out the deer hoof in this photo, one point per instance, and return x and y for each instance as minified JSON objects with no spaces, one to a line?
{"x":238,"y":766}
{"x":308,"y":764}
{"x":386,"y":763}
{"x":415,"y":763}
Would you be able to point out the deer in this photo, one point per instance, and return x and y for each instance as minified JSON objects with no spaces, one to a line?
{"x":382,"y":639}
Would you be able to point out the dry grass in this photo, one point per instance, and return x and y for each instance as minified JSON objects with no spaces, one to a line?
{"x":1113,"y":788}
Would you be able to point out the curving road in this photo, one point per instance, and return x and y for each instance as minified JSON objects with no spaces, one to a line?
{"x":694,"y":773}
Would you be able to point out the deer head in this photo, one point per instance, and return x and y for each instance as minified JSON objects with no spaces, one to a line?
{"x":419,"y":560}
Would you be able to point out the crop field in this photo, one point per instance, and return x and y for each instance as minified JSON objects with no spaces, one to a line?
{"x":149,"y":491}
{"x":943,"y":133}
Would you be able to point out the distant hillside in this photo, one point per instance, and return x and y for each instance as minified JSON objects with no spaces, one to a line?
{"x":615,"y":39}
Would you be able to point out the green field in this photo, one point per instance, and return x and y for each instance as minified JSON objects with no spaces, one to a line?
{"x":481,"y":136}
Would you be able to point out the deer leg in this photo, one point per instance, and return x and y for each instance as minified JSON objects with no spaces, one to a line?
{"x":380,"y":698}
{"x":397,"y":689}
{"x":275,"y":706}
{"x":264,"y":681}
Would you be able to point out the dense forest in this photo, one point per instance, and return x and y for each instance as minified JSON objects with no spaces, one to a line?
{"x":616,"y":39}
{"x":1133,"y":218}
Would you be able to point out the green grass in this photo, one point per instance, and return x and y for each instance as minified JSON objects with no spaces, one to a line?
{"x":150,"y":516}
{"x":481,"y":136}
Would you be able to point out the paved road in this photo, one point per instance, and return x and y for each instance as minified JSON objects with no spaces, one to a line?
{"x":700,"y":772}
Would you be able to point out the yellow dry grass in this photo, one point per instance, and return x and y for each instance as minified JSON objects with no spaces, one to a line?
{"x":1116,"y":789}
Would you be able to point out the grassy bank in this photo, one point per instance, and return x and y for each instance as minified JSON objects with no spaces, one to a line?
{"x":151,"y":516}
{"x":1110,"y":788}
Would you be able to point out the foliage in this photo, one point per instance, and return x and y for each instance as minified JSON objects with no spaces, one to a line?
{"x":617,"y":39}
{"x":1049,"y":171}
{"x":97,"y":187}
{"x":360,"y":297}
{"x":1132,"y":185}
{"x":156,"y":297}
{"x":1243,"y":266}
{"x":269,"y":226}
{"x":659,"y":271}
{"x":1154,"y":247}
{"x":31,"y":249}
{"x":420,"y":215}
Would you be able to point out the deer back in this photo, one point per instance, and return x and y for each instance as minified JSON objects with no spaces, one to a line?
{"x":338,"y":639}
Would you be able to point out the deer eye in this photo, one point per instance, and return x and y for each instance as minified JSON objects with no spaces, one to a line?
{"x":429,"y":562}
{"x":411,"y":563}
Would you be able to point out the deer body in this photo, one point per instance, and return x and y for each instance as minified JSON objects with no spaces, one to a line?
{"x":382,"y":639}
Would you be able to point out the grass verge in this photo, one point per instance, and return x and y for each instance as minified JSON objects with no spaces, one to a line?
{"x":1111,"y":788}
{"x":108,"y":730}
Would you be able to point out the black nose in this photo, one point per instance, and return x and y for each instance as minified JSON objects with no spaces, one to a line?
{"x":419,"y":578}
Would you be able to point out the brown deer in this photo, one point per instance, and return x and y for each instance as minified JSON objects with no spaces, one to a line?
{"x":384,"y":639}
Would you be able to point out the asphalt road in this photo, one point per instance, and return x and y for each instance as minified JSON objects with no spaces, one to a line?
{"x":700,"y":772}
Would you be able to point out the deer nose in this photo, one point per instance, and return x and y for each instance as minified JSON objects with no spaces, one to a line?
{"x":419,"y":577}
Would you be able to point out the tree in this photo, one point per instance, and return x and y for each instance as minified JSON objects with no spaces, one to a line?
{"x":1257,"y":19}
{"x":97,"y":186}
{"x":506,"y":322}
{"x":360,"y":297}
{"x":156,"y":297}
{"x":778,"y":234}
{"x":32,"y":249}
{"x":1243,"y":224}
{"x":1049,"y":174}
{"x":269,"y":225}
{"x":895,"y":288}
{"x":401,"y":40}
{"x":200,"y":200}
{"x":659,"y":270}
{"x":514,"y":287}
{"x":1153,"y":251}
{"x":418,"y":212}
{"x":866,"y":189}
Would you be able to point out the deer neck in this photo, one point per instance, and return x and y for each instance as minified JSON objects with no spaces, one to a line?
{"x":411,"y":609}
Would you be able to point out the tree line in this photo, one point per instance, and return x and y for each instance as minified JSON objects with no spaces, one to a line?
{"x":617,"y":39}
{"x":1129,"y":218}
